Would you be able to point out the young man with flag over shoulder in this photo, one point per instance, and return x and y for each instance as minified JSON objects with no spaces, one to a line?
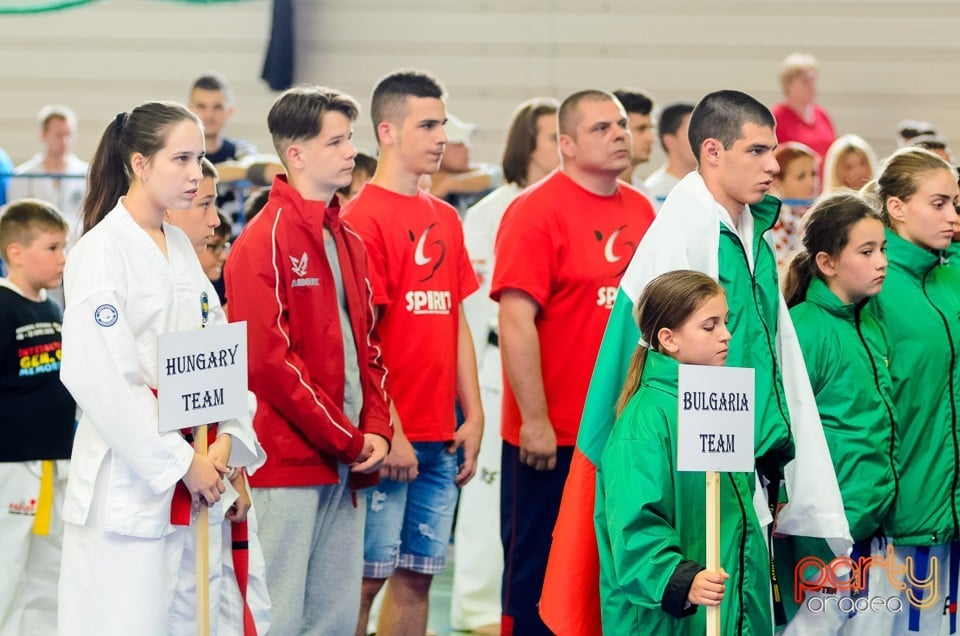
{"x":714,"y":221}
{"x":562,"y":247}
{"x":298,"y":276}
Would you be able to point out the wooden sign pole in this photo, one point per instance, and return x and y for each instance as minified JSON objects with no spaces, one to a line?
{"x":203,"y":548}
{"x":713,"y":544}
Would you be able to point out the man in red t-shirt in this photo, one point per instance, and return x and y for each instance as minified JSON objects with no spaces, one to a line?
{"x":561,"y":249}
{"x":420,"y":274}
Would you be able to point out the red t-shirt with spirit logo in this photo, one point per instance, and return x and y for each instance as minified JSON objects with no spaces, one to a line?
{"x":567,"y":248}
{"x":420,"y":272}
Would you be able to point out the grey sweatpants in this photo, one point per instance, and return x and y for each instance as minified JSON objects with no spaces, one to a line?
{"x":312,"y":540}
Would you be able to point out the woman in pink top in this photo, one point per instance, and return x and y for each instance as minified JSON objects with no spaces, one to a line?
{"x":798,"y":116}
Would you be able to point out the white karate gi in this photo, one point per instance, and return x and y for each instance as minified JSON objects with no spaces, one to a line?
{"x":124,"y":564}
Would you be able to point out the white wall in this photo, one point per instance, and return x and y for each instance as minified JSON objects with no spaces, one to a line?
{"x":108,"y":57}
{"x":881,"y":60}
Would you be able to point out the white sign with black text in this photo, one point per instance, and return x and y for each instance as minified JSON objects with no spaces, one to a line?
{"x":716,"y":419}
{"x":202,"y":376}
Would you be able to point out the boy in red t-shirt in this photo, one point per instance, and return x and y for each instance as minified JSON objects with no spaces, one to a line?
{"x":420,"y":273}
{"x":561,"y":249}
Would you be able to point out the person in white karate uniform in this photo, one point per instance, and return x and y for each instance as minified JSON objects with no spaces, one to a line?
{"x":126,"y":567}
{"x":530,"y":153}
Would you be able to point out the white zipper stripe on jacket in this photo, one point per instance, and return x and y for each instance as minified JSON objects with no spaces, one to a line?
{"x":276,"y":292}
{"x":373,"y":314}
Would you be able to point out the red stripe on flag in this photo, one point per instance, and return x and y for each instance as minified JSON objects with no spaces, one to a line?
{"x":570,"y":601}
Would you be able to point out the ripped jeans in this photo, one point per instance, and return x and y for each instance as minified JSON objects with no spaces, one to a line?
{"x":409,"y":524}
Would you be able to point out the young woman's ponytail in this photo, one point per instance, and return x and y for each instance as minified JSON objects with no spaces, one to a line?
{"x":109,"y":175}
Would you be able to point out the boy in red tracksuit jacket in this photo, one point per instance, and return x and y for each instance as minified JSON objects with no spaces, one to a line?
{"x":298,"y":276}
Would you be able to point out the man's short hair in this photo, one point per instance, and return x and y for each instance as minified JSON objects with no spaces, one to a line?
{"x":928,"y":142}
{"x":391,"y":93}
{"x":721,"y":116}
{"x":23,"y":219}
{"x":208,"y":169}
{"x":298,"y":114}
{"x":795,"y":64}
{"x":671,"y":117}
{"x":911,"y":128}
{"x":213,"y":81}
{"x":634,"y":101}
{"x":522,"y":138}
{"x":55,"y":111}
{"x":569,"y":114}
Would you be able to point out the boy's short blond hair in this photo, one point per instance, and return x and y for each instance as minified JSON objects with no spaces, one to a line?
{"x":22,"y":220}
{"x":795,"y":64}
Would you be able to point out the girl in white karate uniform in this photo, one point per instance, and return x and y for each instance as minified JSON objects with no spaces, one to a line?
{"x":126,"y":565}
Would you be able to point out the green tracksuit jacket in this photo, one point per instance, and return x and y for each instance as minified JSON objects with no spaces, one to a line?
{"x":651,"y":523}
{"x":753,"y":299}
{"x":919,"y":308}
{"x":845,"y":351}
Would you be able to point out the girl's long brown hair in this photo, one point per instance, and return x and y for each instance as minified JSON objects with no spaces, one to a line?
{"x":826,"y":228}
{"x":666,"y":302}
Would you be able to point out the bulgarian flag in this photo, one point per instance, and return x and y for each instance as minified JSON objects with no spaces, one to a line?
{"x":684,"y":235}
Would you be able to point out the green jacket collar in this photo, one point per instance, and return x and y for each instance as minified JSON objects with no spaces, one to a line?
{"x":660,"y":372}
{"x":912,"y":259}
{"x":765,"y":213}
{"x":820,"y":295}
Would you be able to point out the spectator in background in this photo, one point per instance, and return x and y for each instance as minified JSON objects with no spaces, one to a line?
{"x":529,"y":155}
{"x":639,"y":107}
{"x":459,"y":181}
{"x":798,"y":116}
{"x":58,"y":131}
{"x":911,"y":128}
{"x":212,"y":101}
{"x":849,"y":163}
{"x":795,"y":185}
{"x":236,"y":160}
{"x":6,"y":171}
{"x":255,"y":203}
{"x":935,"y":144}
{"x":364,"y":166}
{"x":672,"y":126}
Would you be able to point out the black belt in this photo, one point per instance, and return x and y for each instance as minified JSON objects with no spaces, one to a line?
{"x":493,"y":338}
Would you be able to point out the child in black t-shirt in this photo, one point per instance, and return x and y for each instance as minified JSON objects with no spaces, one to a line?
{"x":37,"y":415}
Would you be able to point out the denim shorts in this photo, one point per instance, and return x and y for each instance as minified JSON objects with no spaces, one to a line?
{"x":408,"y":524}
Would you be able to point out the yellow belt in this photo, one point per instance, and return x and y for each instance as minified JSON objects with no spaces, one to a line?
{"x":41,"y":522}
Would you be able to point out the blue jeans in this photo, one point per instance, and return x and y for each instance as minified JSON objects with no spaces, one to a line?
{"x":409,"y":524}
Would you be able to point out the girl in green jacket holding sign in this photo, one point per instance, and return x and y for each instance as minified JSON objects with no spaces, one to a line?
{"x":650,"y":519}
{"x":919,"y":308}
{"x":842,"y":265}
